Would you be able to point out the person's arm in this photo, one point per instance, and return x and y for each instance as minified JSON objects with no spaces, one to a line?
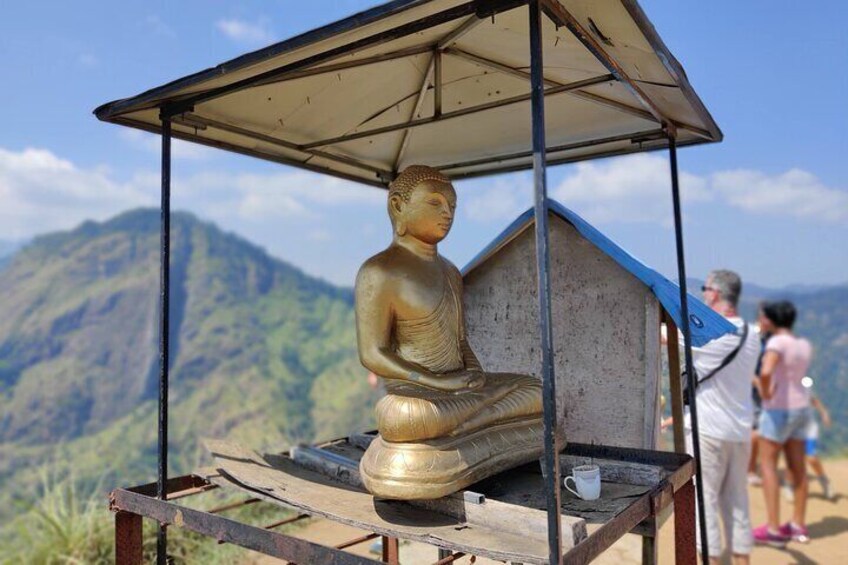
{"x":374,"y":318}
{"x":770,"y":360}
{"x":822,"y":410}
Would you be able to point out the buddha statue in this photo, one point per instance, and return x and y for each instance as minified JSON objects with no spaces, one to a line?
{"x":445,"y":422}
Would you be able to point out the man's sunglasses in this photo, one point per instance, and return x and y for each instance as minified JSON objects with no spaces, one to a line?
{"x":705,"y":288}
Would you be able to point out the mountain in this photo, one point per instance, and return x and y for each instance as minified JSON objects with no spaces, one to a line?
{"x":7,"y":249}
{"x":260,"y":352}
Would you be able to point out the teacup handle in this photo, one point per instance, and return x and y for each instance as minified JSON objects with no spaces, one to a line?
{"x":565,"y":484}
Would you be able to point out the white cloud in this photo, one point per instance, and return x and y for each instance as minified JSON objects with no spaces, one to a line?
{"x":793,"y":193}
{"x":636,"y":188}
{"x":42,"y":192}
{"x":244,"y":32}
{"x":503,"y":199}
{"x":152,"y":143}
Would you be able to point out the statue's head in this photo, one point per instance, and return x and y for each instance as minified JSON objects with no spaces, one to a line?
{"x":422,"y":202}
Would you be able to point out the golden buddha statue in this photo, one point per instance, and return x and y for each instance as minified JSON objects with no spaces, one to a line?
{"x":444,"y":423}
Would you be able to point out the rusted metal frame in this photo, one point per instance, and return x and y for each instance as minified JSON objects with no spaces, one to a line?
{"x":562,"y":17}
{"x":671,"y":462}
{"x":177,"y":486}
{"x":456,"y":113}
{"x":610,"y":532}
{"x":357,"y":541}
{"x":671,"y":65}
{"x":685,"y":548}
{"x":239,"y":504}
{"x":550,"y":434}
{"x":129,"y":548}
{"x":589,"y":96}
{"x":564,"y":160}
{"x":258,"y":539}
{"x":474,"y":7}
{"x":279,"y":523}
{"x":449,"y":558}
{"x":215,"y":124}
{"x":337,"y":67}
{"x":437,"y":93}
{"x":286,"y":521}
{"x":687,"y":338}
{"x":164,"y":344}
{"x":391,"y":550}
{"x":144,"y":126}
{"x":551,"y":150}
{"x":457,"y":34}
{"x":675,"y":387}
{"x":154,"y":96}
{"x":419,"y":102}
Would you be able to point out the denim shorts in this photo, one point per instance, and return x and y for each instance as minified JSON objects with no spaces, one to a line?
{"x":780,"y":426}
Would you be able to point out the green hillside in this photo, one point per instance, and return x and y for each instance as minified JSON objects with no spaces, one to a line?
{"x":260,"y":352}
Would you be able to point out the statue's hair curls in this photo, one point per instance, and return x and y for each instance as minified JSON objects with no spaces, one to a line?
{"x":411,"y":177}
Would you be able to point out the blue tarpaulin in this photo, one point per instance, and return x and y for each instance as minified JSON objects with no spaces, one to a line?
{"x":705,"y":323}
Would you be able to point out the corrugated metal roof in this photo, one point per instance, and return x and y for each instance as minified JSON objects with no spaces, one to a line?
{"x":438,"y":82}
{"x":705,"y":323}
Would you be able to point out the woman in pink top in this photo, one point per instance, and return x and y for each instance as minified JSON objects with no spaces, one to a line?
{"x":784,"y":420}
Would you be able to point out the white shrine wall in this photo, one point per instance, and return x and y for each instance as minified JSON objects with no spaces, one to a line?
{"x":605,"y":332}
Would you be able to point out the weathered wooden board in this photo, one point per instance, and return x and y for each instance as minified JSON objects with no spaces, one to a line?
{"x":477,"y":531}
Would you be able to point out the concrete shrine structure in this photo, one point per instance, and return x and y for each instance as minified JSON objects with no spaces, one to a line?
{"x":606,"y":313}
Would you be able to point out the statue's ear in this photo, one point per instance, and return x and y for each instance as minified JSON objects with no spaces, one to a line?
{"x":396,"y":204}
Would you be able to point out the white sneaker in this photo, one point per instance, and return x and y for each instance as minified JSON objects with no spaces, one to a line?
{"x":827,"y":489}
{"x":788,"y":493}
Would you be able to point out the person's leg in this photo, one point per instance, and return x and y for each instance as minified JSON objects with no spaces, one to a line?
{"x":816,"y":465}
{"x":755,"y":450}
{"x":795,"y":460}
{"x":769,"y":454}
{"x":734,"y":502}
{"x":712,"y":475}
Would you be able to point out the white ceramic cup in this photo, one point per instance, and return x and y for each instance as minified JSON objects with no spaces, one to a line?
{"x":587,"y":481}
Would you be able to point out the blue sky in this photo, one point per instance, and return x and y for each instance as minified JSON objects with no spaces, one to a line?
{"x":771,"y":201}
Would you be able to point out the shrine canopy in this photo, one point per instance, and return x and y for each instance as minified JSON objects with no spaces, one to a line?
{"x":705,"y":324}
{"x":438,"y":82}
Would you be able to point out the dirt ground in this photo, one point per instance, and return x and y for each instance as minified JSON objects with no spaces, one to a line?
{"x":827,"y":521}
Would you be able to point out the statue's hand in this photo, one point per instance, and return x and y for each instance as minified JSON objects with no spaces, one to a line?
{"x":453,"y":382}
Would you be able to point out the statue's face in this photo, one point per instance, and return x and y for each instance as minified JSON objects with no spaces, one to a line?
{"x":428,"y":215}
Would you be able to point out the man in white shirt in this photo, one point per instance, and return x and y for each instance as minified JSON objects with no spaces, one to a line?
{"x":725,"y":414}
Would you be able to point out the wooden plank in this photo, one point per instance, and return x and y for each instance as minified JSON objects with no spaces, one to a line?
{"x":470,"y":507}
{"x":614,"y":470}
{"x":610,"y":532}
{"x":280,"y":480}
{"x":675,"y":384}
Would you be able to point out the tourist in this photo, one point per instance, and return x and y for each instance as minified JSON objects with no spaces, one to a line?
{"x":753,"y":462}
{"x":812,"y":447}
{"x":725,"y":369}
{"x":784,"y":421}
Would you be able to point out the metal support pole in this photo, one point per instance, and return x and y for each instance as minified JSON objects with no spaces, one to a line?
{"x":164,"y":296}
{"x":687,"y":341}
{"x":550,"y":461}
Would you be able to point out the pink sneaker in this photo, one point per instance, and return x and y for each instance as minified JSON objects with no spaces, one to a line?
{"x":795,"y":532}
{"x":763,"y":536}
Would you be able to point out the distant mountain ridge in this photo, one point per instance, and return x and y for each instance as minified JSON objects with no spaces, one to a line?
{"x":259,"y":350}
